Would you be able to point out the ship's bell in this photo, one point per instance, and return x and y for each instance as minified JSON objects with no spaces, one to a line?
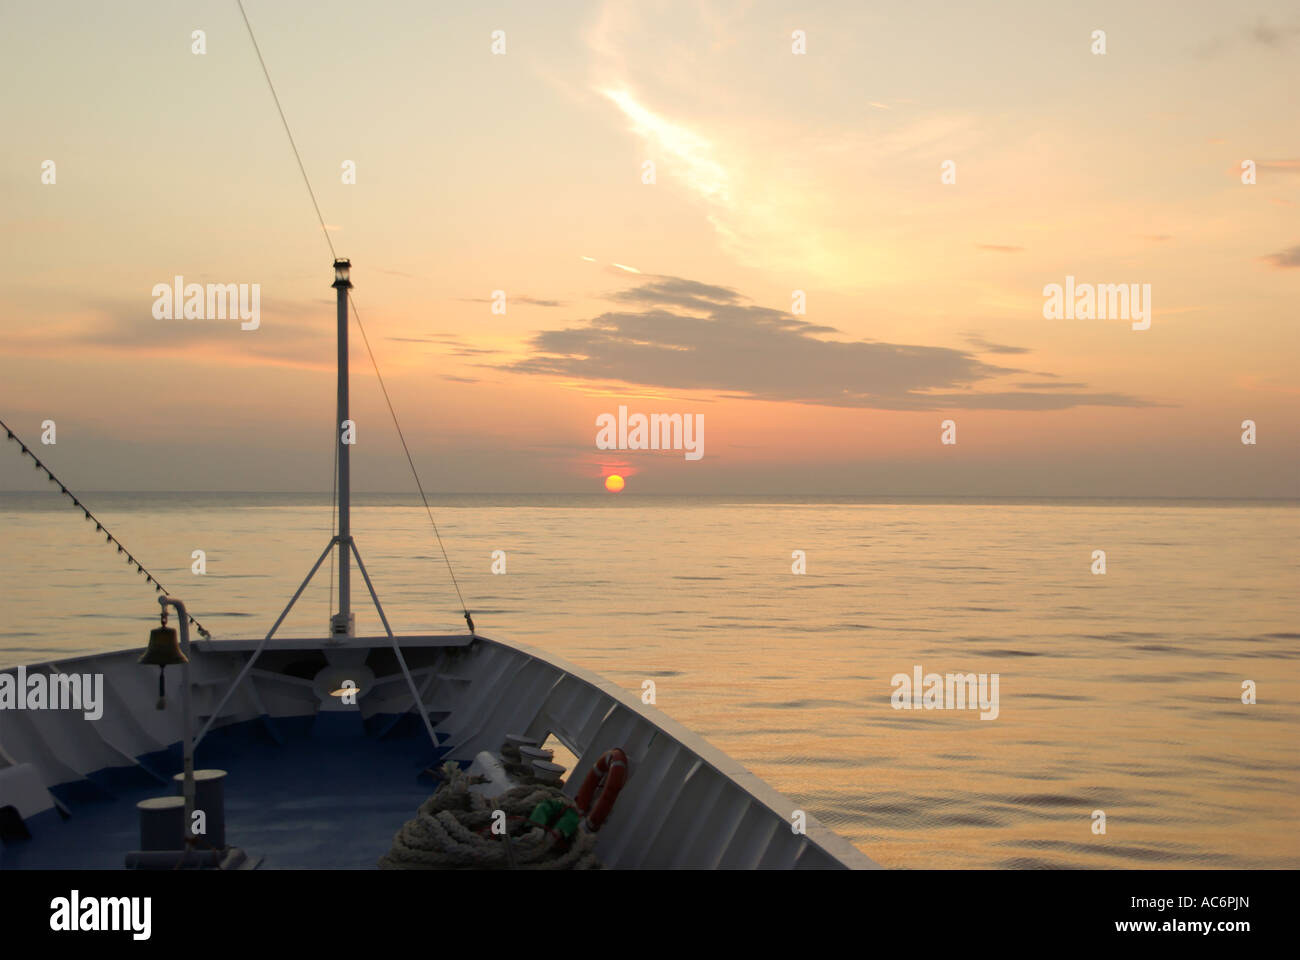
{"x":164,"y":649}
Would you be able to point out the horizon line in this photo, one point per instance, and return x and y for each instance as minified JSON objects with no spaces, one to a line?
{"x":666,"y":494}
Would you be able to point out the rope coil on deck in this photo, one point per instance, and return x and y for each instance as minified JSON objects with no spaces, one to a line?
{"x":451,"y":831}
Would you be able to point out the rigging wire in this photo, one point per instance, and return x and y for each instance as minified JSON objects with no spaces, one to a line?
{"x":99,"y":525}
{"x":316,"y":206}
{"x":301,"y":169}
{"x":357,"y":316}
{"x":407,"y":451}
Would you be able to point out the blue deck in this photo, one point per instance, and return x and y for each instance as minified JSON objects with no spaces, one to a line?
{"x":297,"y":798}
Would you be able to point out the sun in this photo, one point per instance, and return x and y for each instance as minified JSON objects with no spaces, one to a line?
{"x":613,"y":483}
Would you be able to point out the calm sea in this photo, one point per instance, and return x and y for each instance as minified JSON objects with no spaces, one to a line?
{"x":1119,"y":692}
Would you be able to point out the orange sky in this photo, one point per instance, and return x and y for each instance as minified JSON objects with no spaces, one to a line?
{"x":774,"y":172}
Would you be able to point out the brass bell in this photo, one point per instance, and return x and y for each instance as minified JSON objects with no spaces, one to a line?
{"x":164,"y":648}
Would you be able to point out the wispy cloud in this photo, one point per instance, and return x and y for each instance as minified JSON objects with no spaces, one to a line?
{"x":516,"y":298}
{"x":1277,"y":37}
{"x":984,"y":346}
{"x":1262,"y":33}
{"x":695,"y":165}
{"x":288,"y":335}
{"x":452,"y":346}
{"x":793,"y":204}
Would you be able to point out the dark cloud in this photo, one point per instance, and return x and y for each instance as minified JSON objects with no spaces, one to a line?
{"x":674,"y":291}
{"x":727,"y":345}
{"x":1287,"y":259}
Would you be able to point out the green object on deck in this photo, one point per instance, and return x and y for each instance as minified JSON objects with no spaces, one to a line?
{"x":568,"y":824}
{"x":557,"y":815}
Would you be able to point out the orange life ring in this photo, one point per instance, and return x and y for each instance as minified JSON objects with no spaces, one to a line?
{"x":600,"y":789}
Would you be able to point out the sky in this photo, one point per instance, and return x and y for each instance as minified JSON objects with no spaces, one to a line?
{"x":798,"y":272}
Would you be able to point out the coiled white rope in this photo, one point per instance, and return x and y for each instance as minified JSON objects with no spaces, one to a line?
{"x":446,"y":832}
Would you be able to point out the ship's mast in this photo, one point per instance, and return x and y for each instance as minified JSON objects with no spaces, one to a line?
{"x":343,"y":623}
{"x":338,"y":649}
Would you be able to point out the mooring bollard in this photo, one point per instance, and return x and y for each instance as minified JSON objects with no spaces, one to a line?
{"x":162,"y":823}
{"x":210,"y":800}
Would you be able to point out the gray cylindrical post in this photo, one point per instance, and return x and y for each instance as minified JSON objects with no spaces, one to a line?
{"x":162,"y":823}
{"x":210,"y":797}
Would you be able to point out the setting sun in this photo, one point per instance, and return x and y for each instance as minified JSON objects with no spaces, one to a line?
{"x":613,"y":483}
